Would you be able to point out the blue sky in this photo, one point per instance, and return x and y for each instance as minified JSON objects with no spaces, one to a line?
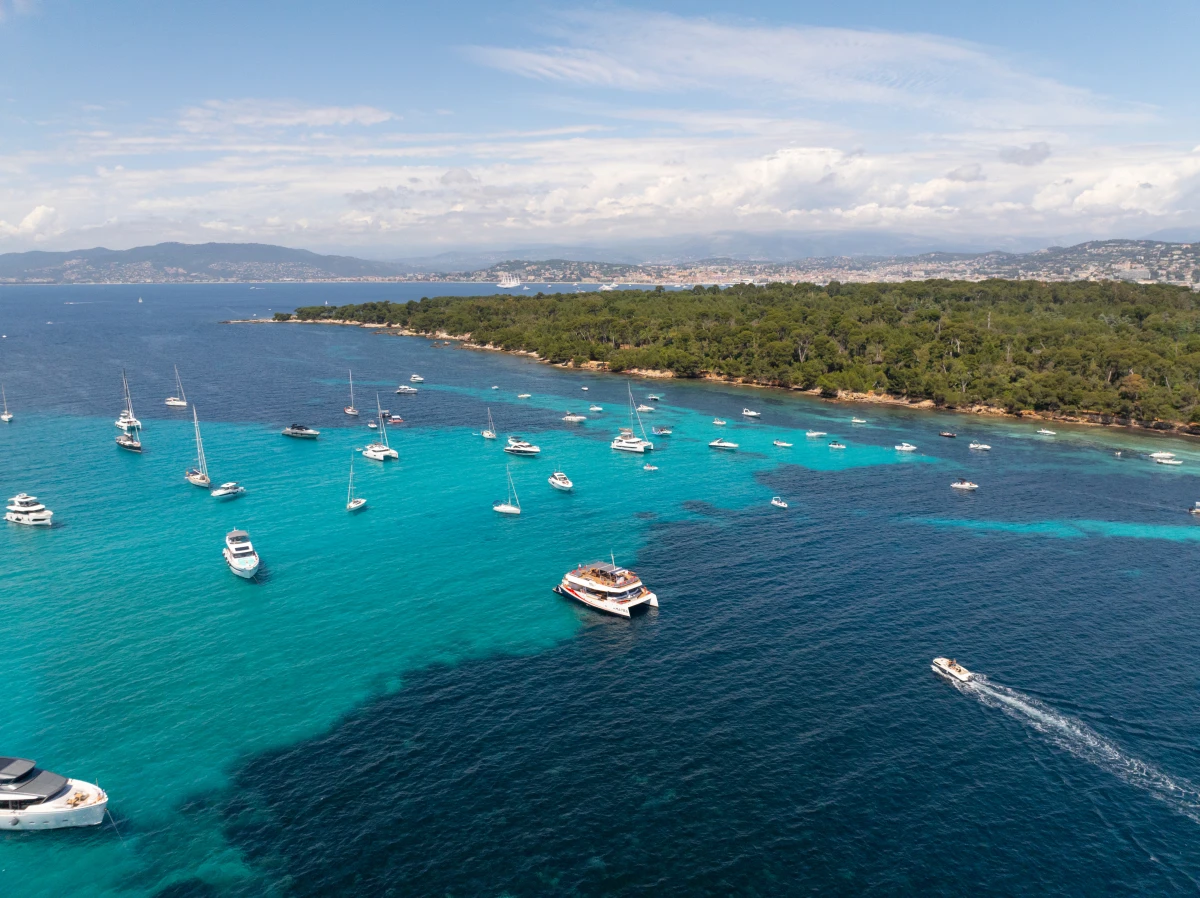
{"x":399,"y":130}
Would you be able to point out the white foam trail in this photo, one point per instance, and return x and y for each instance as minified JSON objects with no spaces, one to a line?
{"x":1083,"y":742}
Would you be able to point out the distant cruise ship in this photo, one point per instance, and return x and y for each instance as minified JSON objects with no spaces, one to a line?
{"x":508,"y":279}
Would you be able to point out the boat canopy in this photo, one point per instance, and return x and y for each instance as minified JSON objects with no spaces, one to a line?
{"x":21,"y":780}
{"x":14,"y":768}
{"x":238,"y":534}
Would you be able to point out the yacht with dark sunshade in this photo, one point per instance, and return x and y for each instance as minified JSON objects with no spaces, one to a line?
{"x":32,"y":798}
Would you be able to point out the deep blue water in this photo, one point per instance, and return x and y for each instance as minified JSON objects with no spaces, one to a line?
{"x":403,"y":707}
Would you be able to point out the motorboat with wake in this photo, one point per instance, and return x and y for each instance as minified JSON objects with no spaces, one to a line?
{"x":815,"y":434}
{"x":524,"y":395}
{"x":198,"y":476}
{"x":512,"y":502}
{"x":33,"y":798}
{"x":948,"y":667}
{"x":561,"y":481}
{"x":1157,"y":455}
{"x":229,"y":490}
{"x":1046,"y":433}
{"x":27,"y":510}
{"x":518,"y":446}
{"x":300,"y":432}
{"x":963,"y":484}
{"x":606,"y":587}
{"x":858,"y":420}
{"x":240,"y":555}
{"x":778,"y":502}
{"x":180,"y":400}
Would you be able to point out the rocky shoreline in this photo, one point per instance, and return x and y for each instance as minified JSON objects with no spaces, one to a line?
{"x":1089,"y":419}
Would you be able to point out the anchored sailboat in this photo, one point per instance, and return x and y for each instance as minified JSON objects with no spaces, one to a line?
{"x":511,"y":504}
{"x":353,"y":503}
{"x":350,"y":409}
{"x":199,"y":474}
{"x":129,"y":437}
{"x":489,"y":434}
{"x":180,"y":400}
{"x":626,"y":441}
{"x":380,"y":449}
{"x":7,"y":416}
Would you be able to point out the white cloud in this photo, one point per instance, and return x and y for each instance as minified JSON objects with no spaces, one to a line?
{"x":227,"y":115}
{"x":38,"y":225}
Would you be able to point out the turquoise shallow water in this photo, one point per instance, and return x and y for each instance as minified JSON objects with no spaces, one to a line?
{"x":135,"y":659}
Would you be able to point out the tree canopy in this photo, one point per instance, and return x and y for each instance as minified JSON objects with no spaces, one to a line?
{"x":1119,"y":349}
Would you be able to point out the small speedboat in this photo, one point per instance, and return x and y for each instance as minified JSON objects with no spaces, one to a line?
{"x":230,"y":490}
{"x":654,"y":397}
{"x":834,"y":444}
{"x":300,"y":432}
{"x":948,"y":434}
{"x":782,"y":445}
{"x":406,"y":390}
{"x":561,"y":481}
{"x":906,"y":447}
{"x":240,"y":555}
{"x":1158,"y":455}
{"x":1046,"y":433}
{"x":371,"y":425}
{"x":645,"y":408}
{"x":395,"y":419}
{"x":417,"y":379}
{"x":814,"y":434}
{"x":518,"y":446}
{"x":718,"y":422}
{"x":1195,"y":509}
{"x":661,"y":431}
{"x":948,"y":667}
{"x":858,"y":420}
{"x":595,"y":408}
{"x":585,"y":389}
{"x":1167,"y":461}
{"x":649,"y":467}
{"x":27,"y":510}
{"x":573,"y":418}
{"x":719,"y":443}
{"x":524,"y":395}
{"x":494,"y":387}
{"x":963,"y":484}
{"x":983,"y":447}
{"x":778,"y":502}
{"x":750,"y":413}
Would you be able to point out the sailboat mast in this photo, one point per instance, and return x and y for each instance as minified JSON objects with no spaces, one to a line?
{"x":128,"y":398}
{"x":201,"y":463}
{"x":351,"y":389}
{"x":179,"y":384}
{"x":382,"y":423}
{"x":350,"y":491}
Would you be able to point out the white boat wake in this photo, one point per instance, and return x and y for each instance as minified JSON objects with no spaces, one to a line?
{"x":1083,"y":742}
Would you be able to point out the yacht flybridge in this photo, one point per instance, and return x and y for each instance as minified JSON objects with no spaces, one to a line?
{"x":199,"y":474}
{"x":606,"y":587}
{"x":948,"y":667}
{"x":27,"y":510}
{"x":179,"y":400}
{"x":240,"y":555}
{"x":518,"y":446}
{"x":32,"y":798}
{"x":625,"y":440}
{"x":300,"y":432}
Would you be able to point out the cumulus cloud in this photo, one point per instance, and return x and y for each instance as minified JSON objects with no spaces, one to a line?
{"x":971,"y":172}
{"x":37,"y":225}
{"x":1034,"y":154}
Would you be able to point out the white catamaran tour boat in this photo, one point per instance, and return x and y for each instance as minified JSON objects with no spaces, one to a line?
{"x":626,"y":441}
{"x":606,"y":587}
{"x":199,"y":474}
{"x":948,"y":667}
{"x":350,"y":409}
{"x":300,"y":432}
{"x":240,"y":555}
{"x":180,"y":400}
{"x":7,"y":416}
{"x":32,"y":798}
{"x":561,"y":481}
{"x":353,"y":502}
{"x":511,"y":503}
{"x":27,"y":510}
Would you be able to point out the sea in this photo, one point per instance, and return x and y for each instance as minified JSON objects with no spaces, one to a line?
{"x":401,"y":705}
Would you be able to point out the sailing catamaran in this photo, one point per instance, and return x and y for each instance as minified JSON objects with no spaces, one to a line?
{"x":350,"y":409}
{"x":180,"y":400}
{"x":199,"y":474}
{"x":353,"y":502}
{"x":7,"y":416}
{"x":380,"y":449}
{"x":511,"y":504}
{"x":626,"y":441}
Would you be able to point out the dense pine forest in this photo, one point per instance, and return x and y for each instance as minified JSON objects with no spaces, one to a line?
{"x":1125,"y":350}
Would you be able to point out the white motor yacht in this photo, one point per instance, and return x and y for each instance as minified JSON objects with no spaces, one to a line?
{"x":198,"y":475}
{"x":982,"y":447}
{"x":7,"y":415}
{"x":834,"y":444}
{"x":948,"y":667}
{"x":518,"y":446}
{"x":645,"y":408}
{"x":750,"y":413}
{"x":406,"y":390}
{"x":574,"y":418}
{"x":1158,"y":455}
{"x":230,"y":490}
{"x":814,"y":434}
{"x":1167,"y":461}
{"x":180,"y":400}
{"x":561,"y":481}
{"x":512,"y":502}
{"x":719,"y":443}
{"x":718,"y":422}
{"x":963,"y":484}
{"x":778,"y":502}
{"x":240,"y":555}
{"x":27,"y":510}
{"x":906,"y":447}
{"x":300,"y":432}
{"x":595,"y":408}
{"x":417,"y":379}
{"x":606,"y":587}
{"x":781,"y":444}
{"x":1046,"y":433}
{"x":32,"y":798}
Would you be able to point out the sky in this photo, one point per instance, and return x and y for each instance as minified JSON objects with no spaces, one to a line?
{"x":405,"y":130}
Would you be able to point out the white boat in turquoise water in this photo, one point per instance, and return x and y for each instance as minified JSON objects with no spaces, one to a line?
{"x":240,"y":555}
{"x":561,"y":481}
{"x":512,"y":502}
{"x":606,"y":587}
{"x":27,"y":510}
{"x":229,"y":490}
{"x":180,"y":400}
{"x":7,"y":415}
{"x":353,"y":502}
{"x":33,"y":798}
{"x":198,"y":475}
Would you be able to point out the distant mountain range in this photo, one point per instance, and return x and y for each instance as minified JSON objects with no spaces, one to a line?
{"x":1138,"y":260}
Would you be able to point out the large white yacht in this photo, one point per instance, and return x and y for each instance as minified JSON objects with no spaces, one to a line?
{"x":948,"y":667}
{"x":406,"y":390}
{"x":626,"y":441}
{"x":240,"y":555}
{"x":32,"y":798}
{"x":27,"y":510}
{"x":300,"y":432}
{"x":607,"y":587}
{"x":518,"y":446}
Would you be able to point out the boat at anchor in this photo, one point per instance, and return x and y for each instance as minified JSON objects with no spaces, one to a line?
{"x":606,"y":587}
{"x":33,"y":798}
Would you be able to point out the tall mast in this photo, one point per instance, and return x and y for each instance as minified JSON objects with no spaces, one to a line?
{"x":202,"y":464}
{"x":351,"y":389}
{"x":179,"y":385}
{"x":382,"y":423}
{"x":350,"y":491}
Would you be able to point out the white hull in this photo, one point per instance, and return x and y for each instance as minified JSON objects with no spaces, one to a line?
{"x":246,"y":568}
{"x":177,"y":403}
{"x":948,"y":667}
{"x":90,"y":803}
{"x":38,"y":519}
{"x":620,"y":609}
{"x":629,"y":447}
{"x":198,"y":480}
